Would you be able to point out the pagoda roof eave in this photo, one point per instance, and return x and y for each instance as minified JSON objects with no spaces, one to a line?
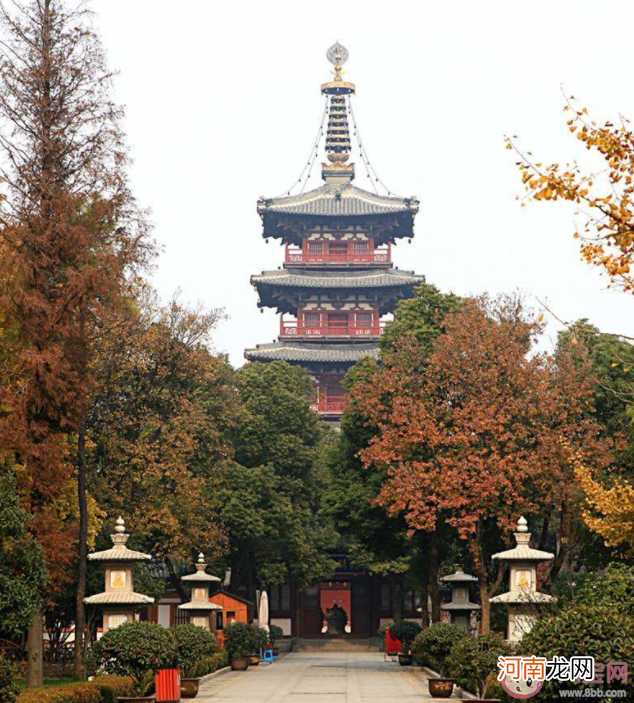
{"x":338,"y":200}
{"x":340,"y":280}
{"x":284,"y":288}
{"x":290,"y":217}
{"x":317,"y":353}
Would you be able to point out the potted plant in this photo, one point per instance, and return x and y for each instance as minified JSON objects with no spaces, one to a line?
{"x":239,"y":643}
{"x":194,"y":644}
{"x":405,"y":631}
{"x":260,"y":641}
{"x":473,"y":663}
{"x":431,"y":648}
{"x":275,"y":633}
{"x":136,"y":650}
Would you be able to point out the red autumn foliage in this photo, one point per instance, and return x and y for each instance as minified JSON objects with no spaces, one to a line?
{"x":472,"y":434}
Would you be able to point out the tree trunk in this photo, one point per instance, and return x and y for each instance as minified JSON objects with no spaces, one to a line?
{"x":80,"y":608}
{"x":424,"y":580}
{"x":424,"y":603}
{"x":485,"y":607}
{"x":480,"y":569}
{"x":35,"y":647}
{"x":433,"y":577}
{"x":397,"y":595}
{"x":563,"y":544}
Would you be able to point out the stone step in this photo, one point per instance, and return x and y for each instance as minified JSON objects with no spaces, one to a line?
{"x":335,"y":644}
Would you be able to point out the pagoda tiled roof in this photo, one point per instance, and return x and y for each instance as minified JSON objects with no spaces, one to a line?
{"x":338,"y":200}
{"x":298,"y":352}
{"x":384,"y":278}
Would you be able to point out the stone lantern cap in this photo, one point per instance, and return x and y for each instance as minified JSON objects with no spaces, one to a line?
{"x":199,"y":605}
{"x":460,"y":605}
{"x":119,"y":551}
{"x":200,"y":576}
{"x":523,"y":551}
{"x":459,"y":577}
{"x":523,"y":597}
{"x":115,"y":598}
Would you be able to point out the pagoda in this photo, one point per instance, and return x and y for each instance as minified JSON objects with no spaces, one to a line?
{"x":338,"y":280}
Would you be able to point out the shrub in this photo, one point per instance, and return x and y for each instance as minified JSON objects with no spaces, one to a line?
{"x":275,"y":633}
{"x":112,"y":687}
{"x":432,"y":646}
{"x":239,"y":640}
{"x":207,"y":665}
{"x":599,"y":632}
{"x":405,"y":631}
{"x":613,"y":588}
{"x":103,"y":689}
{"x":473,"y":661}
{"x":136,"y":650}
{"x":260,"y":638}
{"x":8,"y":688}
{"x":193,"y":643}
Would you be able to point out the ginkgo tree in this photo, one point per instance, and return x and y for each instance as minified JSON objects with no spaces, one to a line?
{"x":604,"y":195}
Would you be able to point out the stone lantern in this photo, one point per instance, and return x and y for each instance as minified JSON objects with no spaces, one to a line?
{"x":460,"y":608}
{"x":199,"y":609}
{"x":119,"y":602}
{"x":523,"y":596}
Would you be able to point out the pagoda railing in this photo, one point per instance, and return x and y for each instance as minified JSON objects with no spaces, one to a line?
{"x":293,"y":329}
{"x":378,"y":256}
{"x":328,"y":406}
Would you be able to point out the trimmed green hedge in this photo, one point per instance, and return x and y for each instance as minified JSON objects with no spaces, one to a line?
{"x":207,"y":665}
{"x":432,"y":646}
{"x":103,"y":689}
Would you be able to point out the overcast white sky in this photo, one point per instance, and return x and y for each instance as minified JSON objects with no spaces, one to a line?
{"x":223,"y":104}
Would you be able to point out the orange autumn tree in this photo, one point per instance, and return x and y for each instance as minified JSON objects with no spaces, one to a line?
{"x":604,"y":194}
{"x":470,"y":435}
{"x":72,"y":238}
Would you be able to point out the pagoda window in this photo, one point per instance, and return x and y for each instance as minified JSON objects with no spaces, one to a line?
{"x":316,"y":248}
{"x":312,"y":319}
{"x":337,"y":319}
{"x":360,"y":248}
{"x":339,"y":248}
{"x":364,"y":319}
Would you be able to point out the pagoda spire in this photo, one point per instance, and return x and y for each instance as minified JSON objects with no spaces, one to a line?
{"x":338,"y":132}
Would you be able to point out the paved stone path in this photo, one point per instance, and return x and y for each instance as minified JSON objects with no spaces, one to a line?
{"x":318,"y":677}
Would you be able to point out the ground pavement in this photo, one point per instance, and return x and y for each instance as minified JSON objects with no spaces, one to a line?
{"x":319,"y":677}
